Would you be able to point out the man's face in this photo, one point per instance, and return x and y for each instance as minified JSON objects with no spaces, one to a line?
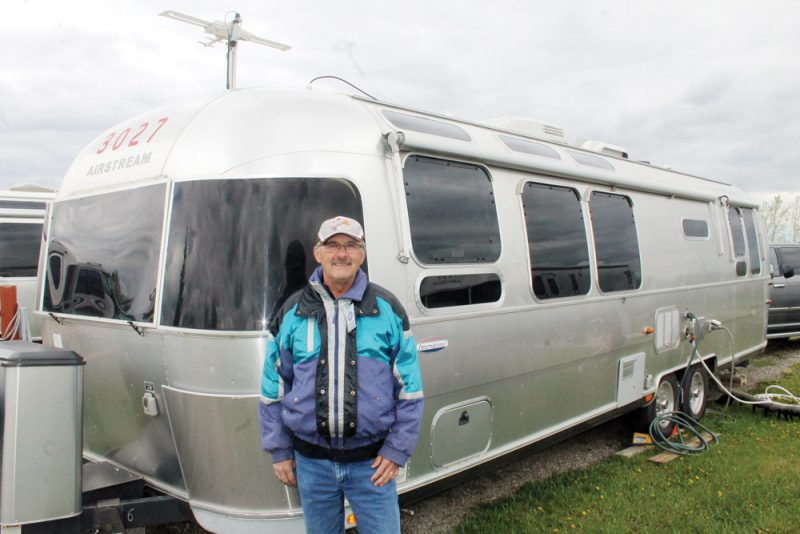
{"x":340,"y":257}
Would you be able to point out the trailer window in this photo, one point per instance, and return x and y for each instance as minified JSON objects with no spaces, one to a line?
{"x":19,"y":249}
{"x":752,"y":240}
{"x":451,"y":210}
{"x":22,"y":205}
{"x":557,"y":245}
{"x":737,"y":237}
{"x":459,"y":290}
{"x":528,"y":147}
{"x":425,"y":125}
{"x":103,"y":255}
{"x":616,"y":243}
{"x":238,"y":248}
{"x":695,"y":228}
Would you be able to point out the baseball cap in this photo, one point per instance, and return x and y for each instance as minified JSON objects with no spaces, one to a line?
{"x":340,"y":225}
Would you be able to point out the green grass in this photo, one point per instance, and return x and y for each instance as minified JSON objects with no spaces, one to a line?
{"x":748,"y":483}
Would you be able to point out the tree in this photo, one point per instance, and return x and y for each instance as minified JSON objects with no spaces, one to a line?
{"x":794,"y":219}
{"x":775,"y":216}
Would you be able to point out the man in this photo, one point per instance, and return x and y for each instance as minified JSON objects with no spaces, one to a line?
{"x":341,"y":391}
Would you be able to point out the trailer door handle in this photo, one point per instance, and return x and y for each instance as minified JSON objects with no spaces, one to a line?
{"x":778,"y":286}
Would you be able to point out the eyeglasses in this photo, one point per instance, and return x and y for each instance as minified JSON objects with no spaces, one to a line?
{"x":351,"y":247}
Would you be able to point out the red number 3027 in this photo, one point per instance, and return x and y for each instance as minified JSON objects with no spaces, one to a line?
{"x":119,"y":138}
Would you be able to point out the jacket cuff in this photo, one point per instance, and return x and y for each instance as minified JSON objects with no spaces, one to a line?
{"x":392,"y":454}
{"x":281,"y":455}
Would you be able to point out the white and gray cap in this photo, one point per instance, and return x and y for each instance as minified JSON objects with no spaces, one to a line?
{"x":340,"y":225}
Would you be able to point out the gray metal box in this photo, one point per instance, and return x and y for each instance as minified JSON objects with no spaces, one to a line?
{"x":41,"y":391}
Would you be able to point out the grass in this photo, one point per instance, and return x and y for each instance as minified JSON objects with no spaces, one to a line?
{"x":750,"y":483}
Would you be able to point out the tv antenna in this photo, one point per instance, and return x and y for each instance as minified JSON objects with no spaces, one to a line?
{"x":230,"y":32}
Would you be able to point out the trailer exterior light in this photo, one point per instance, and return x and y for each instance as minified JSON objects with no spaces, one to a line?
{"x":351,"y":520}
{"x":648,"y":397}
{"x":647,"y":330}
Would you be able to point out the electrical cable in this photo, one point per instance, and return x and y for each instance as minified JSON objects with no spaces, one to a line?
{"x":688,"y":426}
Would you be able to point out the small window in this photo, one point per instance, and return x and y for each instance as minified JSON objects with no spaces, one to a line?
{"x":592,"y":161}
{"x":529,"y":147}
{"x":752,"y":240}
{"x":22,"y":205}
{"x":459,"y":290}
{"x":695,"y":228}
{"x":737,"y":233}
{"x":451,"y":211}
{"x":557,"y":244}
{"x":19,"y":249}
{"x":425,"y":125}
{"x":619,"y":266}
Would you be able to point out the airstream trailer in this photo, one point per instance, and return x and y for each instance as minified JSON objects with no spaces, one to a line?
{"x":22,"y":214}
{"x":547,"y":284}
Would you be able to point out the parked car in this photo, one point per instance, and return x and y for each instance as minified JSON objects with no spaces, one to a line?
{"x":784,"y":309}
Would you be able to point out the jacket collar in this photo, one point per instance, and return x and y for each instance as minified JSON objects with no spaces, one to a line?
{"x":361,"y":293}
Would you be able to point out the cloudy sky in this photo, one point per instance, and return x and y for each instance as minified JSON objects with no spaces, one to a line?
{"x":708,"y":87}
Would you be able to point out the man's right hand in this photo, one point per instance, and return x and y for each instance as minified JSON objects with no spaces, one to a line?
{"x":285,"y":472}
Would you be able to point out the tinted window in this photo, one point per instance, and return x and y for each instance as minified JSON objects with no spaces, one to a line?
{"x":697,"y":228}
{"x":752,"y":241}
{"x":556,"y":241}
{"x":19,"y":248}
{"x":459,"y":290}
{"x":616,"y":244}
{"x":103,"y":254}
{"x":737,"y":233}
{"x":424,"y":125}
{"x":529,"y":147}
{"x":238,"y":248}
{"x":791,"y":256}
{"x":451,"y":210}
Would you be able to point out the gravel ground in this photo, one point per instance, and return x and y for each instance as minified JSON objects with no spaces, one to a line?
{"x":444,"y":511}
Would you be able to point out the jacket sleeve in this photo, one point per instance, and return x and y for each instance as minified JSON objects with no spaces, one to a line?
{"x":275,"y":437}
{"x":403,"y":435}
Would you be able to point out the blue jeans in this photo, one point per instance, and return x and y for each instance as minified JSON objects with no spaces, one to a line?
{"x":324,"y":484}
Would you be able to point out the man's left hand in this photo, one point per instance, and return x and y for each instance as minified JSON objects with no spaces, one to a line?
{"x":385,"y":471}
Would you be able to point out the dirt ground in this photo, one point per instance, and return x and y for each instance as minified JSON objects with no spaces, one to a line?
{"x":442,"y":512}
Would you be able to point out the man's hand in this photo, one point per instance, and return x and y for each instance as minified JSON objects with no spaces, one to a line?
{"x":386,"y":470}
{"x":285,"y":472}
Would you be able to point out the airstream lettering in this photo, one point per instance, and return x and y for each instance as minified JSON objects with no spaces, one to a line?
{"x":547,"y":284}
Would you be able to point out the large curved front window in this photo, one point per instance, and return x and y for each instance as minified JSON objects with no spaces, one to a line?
{"x":238,"y":248}
{"x":102,"y":257}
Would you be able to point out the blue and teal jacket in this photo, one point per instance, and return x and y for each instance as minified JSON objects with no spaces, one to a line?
{"x":341,"y":375}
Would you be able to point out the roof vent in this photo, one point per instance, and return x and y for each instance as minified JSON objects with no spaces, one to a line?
{"x":605,"y":148}
{"x":528,"y":128}
{"x":32,"y":188}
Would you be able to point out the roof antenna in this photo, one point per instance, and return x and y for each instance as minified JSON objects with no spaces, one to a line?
{"x":230,"y":32}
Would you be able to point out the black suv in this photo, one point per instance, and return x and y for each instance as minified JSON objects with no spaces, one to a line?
{"x":784,"y":294}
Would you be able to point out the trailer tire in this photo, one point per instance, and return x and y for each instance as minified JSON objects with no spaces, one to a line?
{"x":666,"y":401}
{"x":695,"y":392}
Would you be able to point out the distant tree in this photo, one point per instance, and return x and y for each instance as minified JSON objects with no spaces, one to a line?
{"x":794,"y":219}
{"x":775,"y":216}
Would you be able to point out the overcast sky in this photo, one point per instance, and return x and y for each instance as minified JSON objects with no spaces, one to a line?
{"x":708,"y":87}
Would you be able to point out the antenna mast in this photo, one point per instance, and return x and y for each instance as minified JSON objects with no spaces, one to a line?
{"x":231,"y":33}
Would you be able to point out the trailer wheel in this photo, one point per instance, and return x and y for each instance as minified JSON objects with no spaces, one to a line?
{"x":666,"y":401}
{"x":695,"y":394}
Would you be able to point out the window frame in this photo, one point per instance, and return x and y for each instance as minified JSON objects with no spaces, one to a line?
{"x":582,"y":204}
{"x":458,"y":270}
{"x":406,"y":212}
{"x":596,"y":264}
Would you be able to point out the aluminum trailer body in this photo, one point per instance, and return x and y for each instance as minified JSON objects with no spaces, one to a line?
{"x":176,"y":234}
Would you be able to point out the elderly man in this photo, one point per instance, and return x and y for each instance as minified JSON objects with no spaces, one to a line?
{"x":341,"y":391}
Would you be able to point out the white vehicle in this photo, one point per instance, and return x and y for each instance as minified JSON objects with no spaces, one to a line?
{"x":22,"y":212}
{"x":547,"y":284}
